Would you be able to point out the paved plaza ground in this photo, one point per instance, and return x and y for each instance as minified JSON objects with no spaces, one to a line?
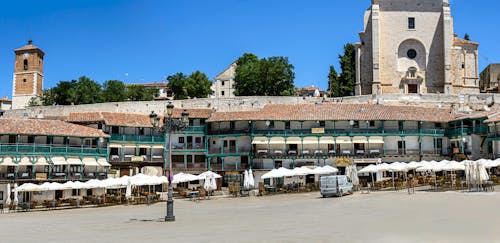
{"x":374,"y":217}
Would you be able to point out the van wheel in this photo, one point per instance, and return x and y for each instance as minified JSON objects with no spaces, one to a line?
{"x":341,"y":193}
{"x":324,"y":196}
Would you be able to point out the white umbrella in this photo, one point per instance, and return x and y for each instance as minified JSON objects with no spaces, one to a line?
{"x":207,"y":184}
{"x":301,"y":171}
{"x":16,"y":197}
{"x":271,"y":174}
{"x":28,"y":187}
{"x":184,"y":177}
{"x":203,"y":175}
{"x":330,"y":169}
{"x":213,"y":182}
{"x":369,"y":169}
{"x":251,"y":180}
{"x":8,"y":201}
{"x":245,"y":180}
{"x":128,"y":191}
{"x":284,"y":172}
{"x":353,"y":174}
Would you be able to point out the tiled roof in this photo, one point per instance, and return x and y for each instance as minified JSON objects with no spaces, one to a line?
{"x":47,"y":127}
{"x":493,"y":117}
{"x":460,"y":41}
{"x":331,"y":111}
{"x":28,"y":47}
{"x":476,"y":115}
{"x":111,"y":118}
{"x":130,"y":119}
{"x":193,"y":113}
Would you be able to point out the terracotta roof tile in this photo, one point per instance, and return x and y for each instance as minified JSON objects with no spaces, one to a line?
{"x":330,"y":111}
{"x":47,"y":127}
{"x":493,"y":117}
{"x":111,"y":118}
{"x":193,"y":113}
{"x":460,"y":41}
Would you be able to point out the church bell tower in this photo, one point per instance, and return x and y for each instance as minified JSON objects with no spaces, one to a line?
{"x":28,"y":75}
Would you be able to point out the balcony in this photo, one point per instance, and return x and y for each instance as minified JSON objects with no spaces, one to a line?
{"x":194,"y":130}
{"x":354,"y":132}
{"x":50,"y":149}
{"x":138,"y":138}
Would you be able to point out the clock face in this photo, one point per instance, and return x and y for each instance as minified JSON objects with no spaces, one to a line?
{"x":25,"y":55}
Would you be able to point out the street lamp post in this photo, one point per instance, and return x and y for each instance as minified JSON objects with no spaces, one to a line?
{"x":169,"y":125}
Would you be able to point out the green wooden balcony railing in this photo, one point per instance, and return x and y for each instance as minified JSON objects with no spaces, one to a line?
{"x":49,"y":149}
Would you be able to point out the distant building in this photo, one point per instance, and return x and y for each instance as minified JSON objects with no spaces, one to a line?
{"x":409,"y":46}
{"x":490,"y":78}
{"x":28,"y":75}
{"x":224,"y":84}
{"x":5,"y":104}
{"x":310,"y":91}
{"x":164,"y":93}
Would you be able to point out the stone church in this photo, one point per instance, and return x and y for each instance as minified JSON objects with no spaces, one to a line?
{"x":409,"y":46}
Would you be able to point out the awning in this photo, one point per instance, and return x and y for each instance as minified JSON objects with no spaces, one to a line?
{"x":359,"y":140}
{"x":115,"y":145}
{"x":103,"y":162}
{"x":259,"y":140}
{"x":25,"y":161}
{"x":310,"y":140}
{"x":41,"y":161}
{"x":89,"y":161}
{"x":326,"y":140}
{"x":74,"y":161}
{"x":158,"y":146}
{"x":344,"y":140}
{"x":129,"y":145}
{"x":277,"y":140}
{"x":7,"y":161}
{"x":293,"y":140}
{"x":374,"y":140}
{"x":59,"y":161}
{"x":144,"y":146}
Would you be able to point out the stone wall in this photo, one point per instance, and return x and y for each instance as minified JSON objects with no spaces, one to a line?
{"x":475,"y":102}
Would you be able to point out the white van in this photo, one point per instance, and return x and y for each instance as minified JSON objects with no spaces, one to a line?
{"x":335,"y":185}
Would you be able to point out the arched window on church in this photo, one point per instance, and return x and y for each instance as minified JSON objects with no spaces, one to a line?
{"x":25,"y":64}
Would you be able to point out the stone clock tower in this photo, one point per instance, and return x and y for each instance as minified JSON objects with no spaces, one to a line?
{"x":28,"y":75}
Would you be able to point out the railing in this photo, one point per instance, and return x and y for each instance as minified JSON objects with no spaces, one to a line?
{"x":138,"y":138}
{"x":194,"y":129}
{"x":353,"y":132}
{"x":44,"y":149}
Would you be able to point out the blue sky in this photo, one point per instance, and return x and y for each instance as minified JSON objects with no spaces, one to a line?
{"x":151,"y":39}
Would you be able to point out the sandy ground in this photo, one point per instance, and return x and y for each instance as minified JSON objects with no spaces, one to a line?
{"x":374,"y":217}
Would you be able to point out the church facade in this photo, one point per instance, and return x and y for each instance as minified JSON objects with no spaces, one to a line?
{"x":409,"y":46}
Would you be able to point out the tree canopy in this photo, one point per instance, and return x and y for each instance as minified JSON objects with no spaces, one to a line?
{"x":87,"y":91}
{"x":345,"y":83}
{"x":271,"y":76}
{"x":196,"y":85}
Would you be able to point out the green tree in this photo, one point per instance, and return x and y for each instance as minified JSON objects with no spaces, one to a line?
{"x":334,"y":89}
{"x":34,"y":101}
{"x":347,"y":79}
{"x":198,"y":85}
{"x":114,"y":91}
{"x":88,"y":91}
{"x":177,"y":83}
{"x":271,"y":76}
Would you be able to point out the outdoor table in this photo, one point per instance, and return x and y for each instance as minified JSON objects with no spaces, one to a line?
{"x":331,"y":152}
{"x":374,"y":151}
{"x":360,"y":152}
{"x":346,"y":151}
{"x":113,"y":157}
{"x":194,"y":195}
{"x":292,"y":152}
{"x":278,"y":152}
{"x":157,"y":157}
{"x":271,"y":189}
{"x":262,"y":151}
{"x":305,"y":152}
{"x":316,"y":152}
